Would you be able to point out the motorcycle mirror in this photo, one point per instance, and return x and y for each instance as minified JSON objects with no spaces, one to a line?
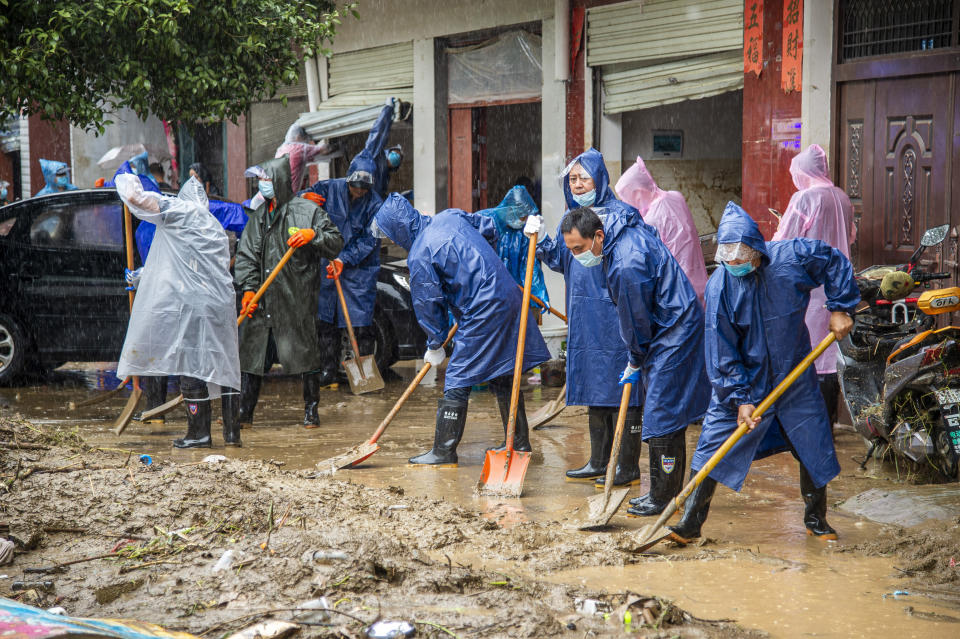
{"x":935,"y":235}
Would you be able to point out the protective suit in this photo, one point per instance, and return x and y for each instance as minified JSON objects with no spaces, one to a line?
{"x":667,"y":212}
{"x":453,"y":266}
{"x":661,"y":322}
{"x":50,"y":169}
{"x":300,"y":149}
{"x":183,"y":320}
{"x":818,"y":211}
{"x":755,"y":336}
{"x":360,"y":253}
{"x":286,"y":311}
{"x":372,"y":157}
{"x":512,"y":243}
{"x":595,"y":353}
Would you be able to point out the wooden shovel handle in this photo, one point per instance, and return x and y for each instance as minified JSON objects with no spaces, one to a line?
{"x":128,"y":240}
{"x":346,"y":317}
{"x":742,"y":429}
{"x":545,"y":306}
{"x":408,"y":392}
{"x":617,"y":438}
{"x":267,"y":282}
{"x":521,"y":339}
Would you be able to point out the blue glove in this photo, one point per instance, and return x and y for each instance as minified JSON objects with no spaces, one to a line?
{"x":631,"y":375}
{"x":133,"y":278}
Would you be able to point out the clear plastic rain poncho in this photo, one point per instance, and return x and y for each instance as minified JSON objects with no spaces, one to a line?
{"x":818,"y":211}
{"x":184,"y":315}
{"x":667,"y":212}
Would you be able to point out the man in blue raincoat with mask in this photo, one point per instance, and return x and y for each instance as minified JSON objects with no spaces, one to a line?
{"x":756,"y":334}
{"x":57,"y":176}
{"x":595,"y":352}
{"x":454,"y":268}
{"x":661,"y":323}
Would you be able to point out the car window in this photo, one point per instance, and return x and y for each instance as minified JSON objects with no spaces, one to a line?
{"x":86,"y":225}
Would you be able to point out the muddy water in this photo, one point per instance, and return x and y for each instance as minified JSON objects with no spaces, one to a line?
{"x":759,"y":568}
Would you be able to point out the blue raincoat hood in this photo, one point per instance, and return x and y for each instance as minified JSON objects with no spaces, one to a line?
{"x":400,"y":221}
{"x":142,"y":165}
{"x":736,"y":225}
{"x":516,"y":204}
{"x":49,"y":169}
{"x":592,"y":162}
{"x":615,"y":222}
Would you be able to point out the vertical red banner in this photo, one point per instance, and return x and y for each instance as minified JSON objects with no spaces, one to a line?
{"x":753,"y":36}
{"x":792,"y":52}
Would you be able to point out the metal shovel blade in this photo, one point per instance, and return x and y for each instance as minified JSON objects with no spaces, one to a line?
{"x":352,"y":457}
{"x":162,"y":409}
{"x":651,"y":535}
{"x":549,"y":411}
{"x":600,"y":509}
{"x":102,"y":397}
{"x":365,"y":377}
{"x":124,"y":420}
{"x":503,"y":473}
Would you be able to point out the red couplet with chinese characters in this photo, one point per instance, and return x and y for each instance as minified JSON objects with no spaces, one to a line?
{"x":791,"y":70}
{"x":753,"y":36}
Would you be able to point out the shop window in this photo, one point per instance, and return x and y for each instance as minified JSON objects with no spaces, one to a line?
{"x":883,"y":27}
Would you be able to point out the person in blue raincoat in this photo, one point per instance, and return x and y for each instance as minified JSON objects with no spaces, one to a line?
{"x":661,"y":323}
{"x":351,"y":203}
{"x":454,"y":268}
{"x":383,"y":161}
{"x":57,"y":176}
{"x":509,"y":217}
{"x":595,"y":352}
{"x":756,"y":334}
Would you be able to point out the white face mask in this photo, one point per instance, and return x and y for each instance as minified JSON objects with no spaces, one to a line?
{"x":586,"y":199}
{"x":587,"y":258}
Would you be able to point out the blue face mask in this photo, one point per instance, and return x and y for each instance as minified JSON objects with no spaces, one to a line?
{"x":393,"y":159}
{"x":63,"y":180}
{"x":586,"y":199}
{"x":3,"y":193}
{"x":739,"y":270}
{"x":587,"y":258}
{"x":266,"y":189}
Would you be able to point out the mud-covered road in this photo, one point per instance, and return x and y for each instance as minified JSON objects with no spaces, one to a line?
{"x":417,"y":544}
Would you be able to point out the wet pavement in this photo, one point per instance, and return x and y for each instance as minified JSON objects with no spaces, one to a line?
{"x":760,"y":568}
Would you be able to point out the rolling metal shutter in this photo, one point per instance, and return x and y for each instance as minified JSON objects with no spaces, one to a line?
{"x":359,"y":83}
{"x":664,"y":51}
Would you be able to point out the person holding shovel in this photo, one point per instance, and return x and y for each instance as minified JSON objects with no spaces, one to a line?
{"x":454,"y":267}
{"x":756,"y":305}
{"x":595,"y":352}
{"x":183,"y":320}
{"x":661,"y":323}
{"x":281,"y":326}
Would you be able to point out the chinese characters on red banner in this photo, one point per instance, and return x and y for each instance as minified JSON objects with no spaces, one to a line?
{"x":791,"y":70}
{"x":753,"y":36}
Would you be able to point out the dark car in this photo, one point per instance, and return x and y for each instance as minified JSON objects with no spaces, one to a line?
{"x":63,"y":297}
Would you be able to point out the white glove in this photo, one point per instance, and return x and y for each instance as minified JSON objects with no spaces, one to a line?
{"x":131,"y":191}
{"x":630,"y":374}
{"x":533,"y":225}
{"x":434,"y":356}
{"x":133,"y":277}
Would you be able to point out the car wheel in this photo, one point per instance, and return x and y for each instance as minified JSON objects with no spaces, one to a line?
{"x":13,"y":349}
{"x":385,"y":351}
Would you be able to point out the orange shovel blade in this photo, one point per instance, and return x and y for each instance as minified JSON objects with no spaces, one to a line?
{"x":503,"y":473}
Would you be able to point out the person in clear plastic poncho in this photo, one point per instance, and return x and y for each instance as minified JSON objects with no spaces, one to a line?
{"x":183,"y":320}
{"x":300,"y":150}
{"x":819,"y":211}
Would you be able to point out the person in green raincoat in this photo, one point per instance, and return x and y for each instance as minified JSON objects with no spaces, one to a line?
{"x":282,"y":328}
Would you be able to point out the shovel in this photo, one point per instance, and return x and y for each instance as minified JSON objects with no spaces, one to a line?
{"x":602,"y":507}
{"x":554,"y":407}
{"x":503,"y":471}
{"x":163,"y":409}
{"x":650,"y":535}
{"x":362,"y":451}
{"x":124,"y":419}
{"x":362,"y":372}
{"x":102,"y":397}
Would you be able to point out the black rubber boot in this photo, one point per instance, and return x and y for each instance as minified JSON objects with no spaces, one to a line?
{"x":601,"y":421}
{"x":366,"y":340}
{"x":230,"y":411}
{"x":628,"y":464}
{"x":198,"y":424}
{"x":521,"y":435}
{"x":155,"y":390}
{"x":451,"y":418}
{"x":695,"y":512}
{"x":249,"y":394}
{"x":815,"y":508}
{"x":328,"y":338}
{"x":668,"y":458}
{"x":311,"y":399}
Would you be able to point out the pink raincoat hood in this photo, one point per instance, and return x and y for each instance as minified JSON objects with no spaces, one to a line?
{"x":667,"y":212}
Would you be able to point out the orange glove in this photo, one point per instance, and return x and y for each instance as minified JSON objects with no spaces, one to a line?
{"x":247,"y":307}
{"x":301,"y":237}
{"x":316,"y":198}
{"x":99,"y":183}
{"x":334,"y":269}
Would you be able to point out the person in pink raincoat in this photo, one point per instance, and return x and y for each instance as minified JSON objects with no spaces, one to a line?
{"x":819,"y":211}
{"x":301,"y":150}
{"x":667,"y":212}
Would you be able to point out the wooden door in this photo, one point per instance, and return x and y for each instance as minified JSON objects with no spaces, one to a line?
{"x":468,"y":161}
